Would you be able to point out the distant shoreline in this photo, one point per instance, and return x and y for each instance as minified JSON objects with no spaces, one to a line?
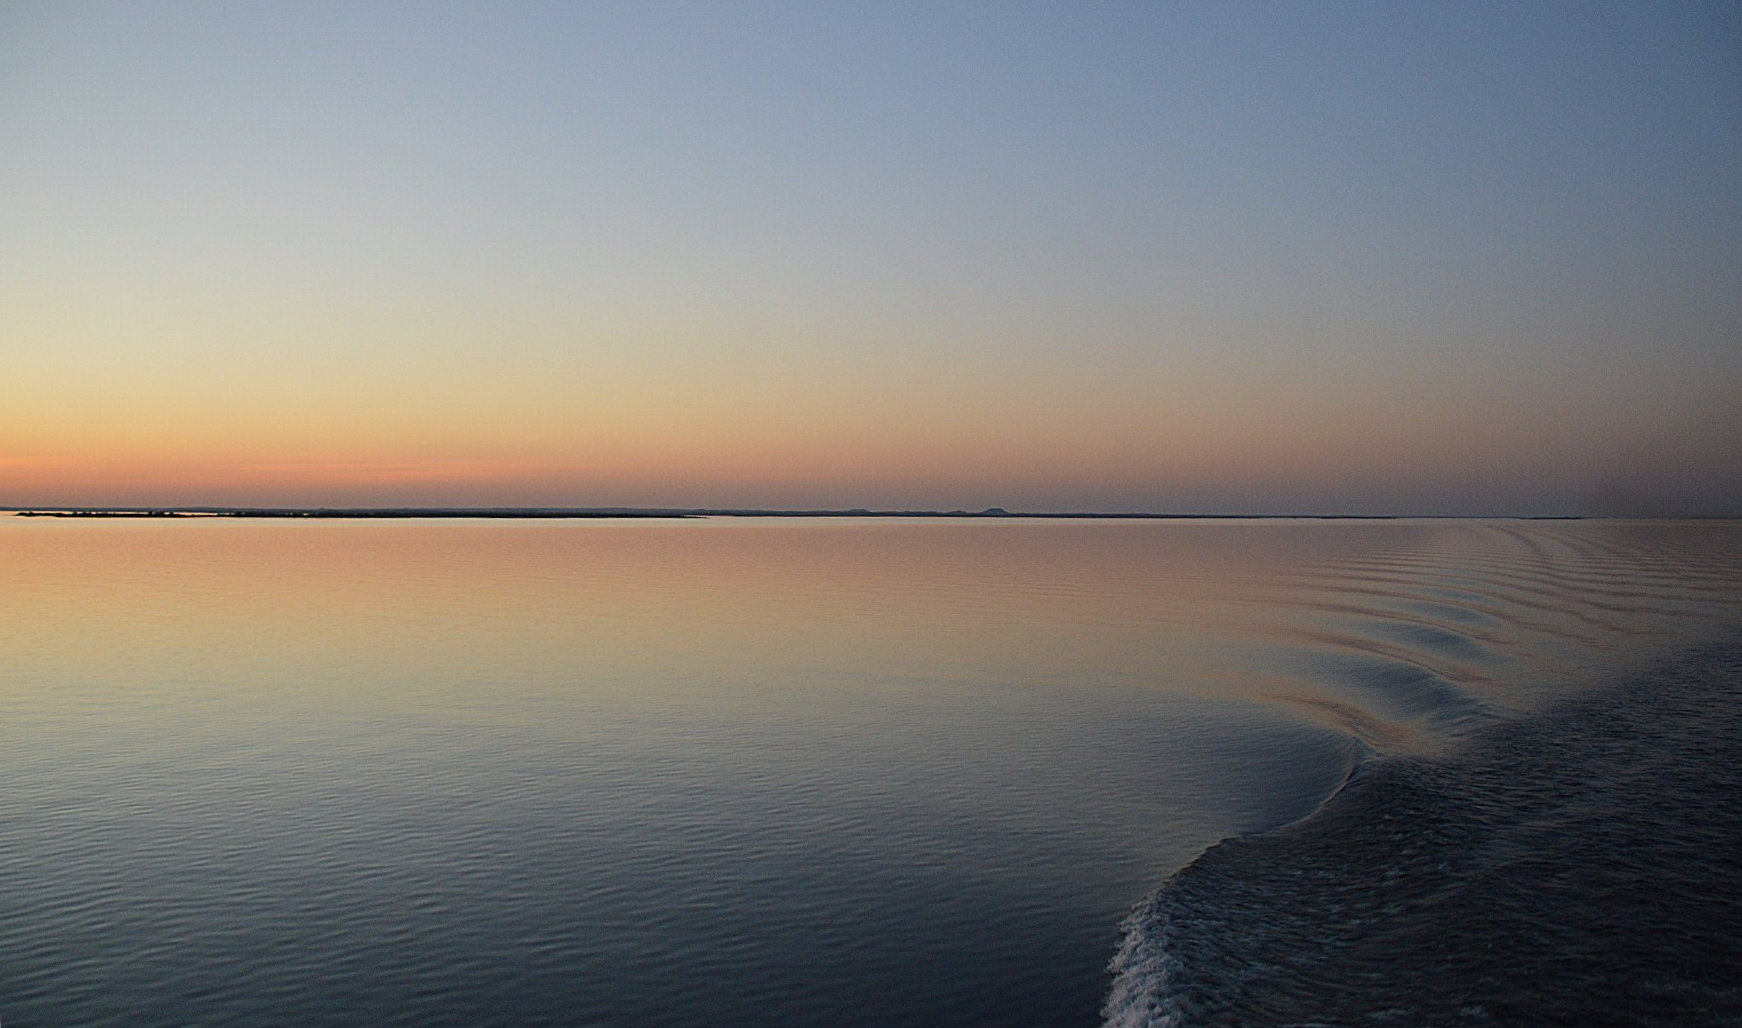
{"x":668,"y":513}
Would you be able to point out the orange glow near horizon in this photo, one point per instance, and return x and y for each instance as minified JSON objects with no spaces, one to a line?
{"x":103,"y":409}
{"x":1298,"y":449}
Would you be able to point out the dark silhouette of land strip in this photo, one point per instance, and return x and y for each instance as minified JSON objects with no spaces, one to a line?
{"x":645,"y":512}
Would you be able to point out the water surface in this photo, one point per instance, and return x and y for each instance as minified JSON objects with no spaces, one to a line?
{"x":728,"y":771}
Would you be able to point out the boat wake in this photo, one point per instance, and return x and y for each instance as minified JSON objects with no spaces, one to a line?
{"x":1581,"y":866}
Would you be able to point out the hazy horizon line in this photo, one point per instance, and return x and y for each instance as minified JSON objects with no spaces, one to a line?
{"x":560,"y":512}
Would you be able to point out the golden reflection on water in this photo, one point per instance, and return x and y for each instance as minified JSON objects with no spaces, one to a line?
{"x":352,"y":614}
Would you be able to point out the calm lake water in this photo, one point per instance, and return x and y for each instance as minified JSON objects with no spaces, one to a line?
{"x":789,"y":771}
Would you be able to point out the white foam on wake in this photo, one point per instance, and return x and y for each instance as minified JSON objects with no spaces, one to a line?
{"x":1139,"y":996}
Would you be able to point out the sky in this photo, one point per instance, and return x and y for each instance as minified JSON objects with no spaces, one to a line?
{"x":1373,"y":258}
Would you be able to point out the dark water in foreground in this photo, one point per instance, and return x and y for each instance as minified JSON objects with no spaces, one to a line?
{"x":878,"y":773}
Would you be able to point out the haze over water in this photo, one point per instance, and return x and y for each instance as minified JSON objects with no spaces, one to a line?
{"x":735,"y":771}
